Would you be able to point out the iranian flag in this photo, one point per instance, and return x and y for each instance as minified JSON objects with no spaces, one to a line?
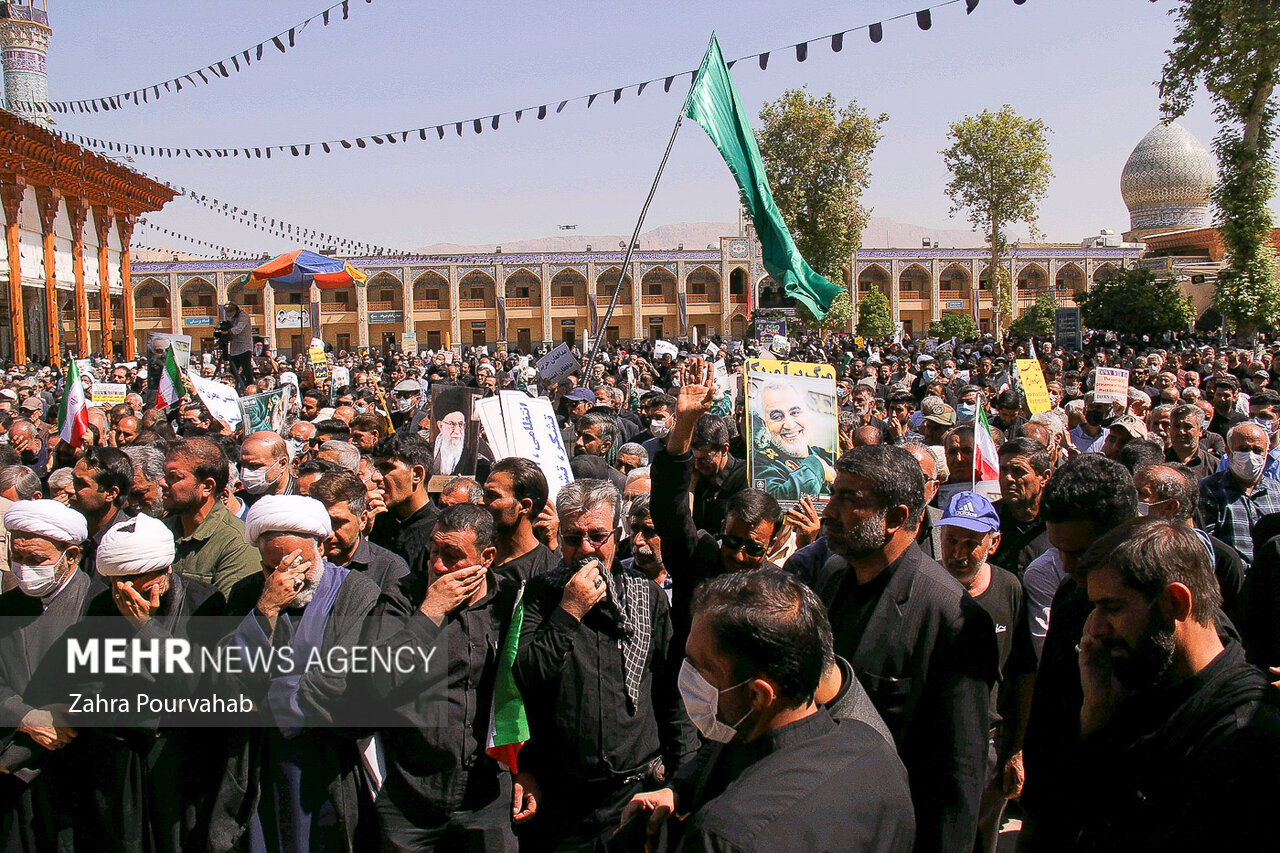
{"x":172,"y":388}
{"x":73,"y":416}
{"x":508,"y":725}
{"x":986,"y":462}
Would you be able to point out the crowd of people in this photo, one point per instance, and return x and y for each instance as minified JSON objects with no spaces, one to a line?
{"x":883,"y":663}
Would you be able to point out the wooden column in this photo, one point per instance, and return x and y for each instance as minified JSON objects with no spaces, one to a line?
{"x":47,"y":200}
{"x":124,"y":225}
{"x":77,"y":213}
{"x":102,"y":230}
{"x":11,"y":191}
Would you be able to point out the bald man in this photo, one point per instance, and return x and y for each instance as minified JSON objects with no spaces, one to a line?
{"x":264,"y":467}
{"x":125,"y":432}
{"x":865,"y":436}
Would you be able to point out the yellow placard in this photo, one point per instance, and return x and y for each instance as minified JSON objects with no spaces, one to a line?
{"x":1033,"y":385}
{"x":790,"y":368}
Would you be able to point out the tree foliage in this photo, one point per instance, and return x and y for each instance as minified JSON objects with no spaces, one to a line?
{"x":954,"y":324}
{"x":838,"y":316}
{"x":1038,"y":320}
{"x":874,"y":320}
{"x":1000,"y":171}
{"x":818,"y":160}
{"x":1136,"y":303}
{"x":1233,"y":48}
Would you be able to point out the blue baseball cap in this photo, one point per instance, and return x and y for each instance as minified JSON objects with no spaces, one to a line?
{"x":970,"y":511}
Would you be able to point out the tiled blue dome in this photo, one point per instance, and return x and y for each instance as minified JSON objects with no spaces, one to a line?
{"x":1167,"y":181}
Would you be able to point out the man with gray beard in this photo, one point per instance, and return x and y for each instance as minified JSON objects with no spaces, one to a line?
{"x":146,"y":496}
{"x":788,"y":466}
{"x":293,"y":771}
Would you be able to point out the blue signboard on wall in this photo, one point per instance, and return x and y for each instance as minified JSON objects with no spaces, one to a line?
{"x":386,"y":316}
{"x":199,"y":321}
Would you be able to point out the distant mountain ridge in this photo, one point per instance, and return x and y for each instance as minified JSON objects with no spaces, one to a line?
{"x":880,"y":233}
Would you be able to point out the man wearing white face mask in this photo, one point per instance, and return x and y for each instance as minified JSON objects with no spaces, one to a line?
{"x":753,"y":663}
{"x":1232,"y":501}
{"x":264,"y":467}
{"x":44,"y":553}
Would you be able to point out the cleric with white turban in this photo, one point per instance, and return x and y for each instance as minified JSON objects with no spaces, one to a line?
{"x":291,"y":514}
{"x":44,"y":545}
{"x":288,"y":531}
{"x":138,"y":546}
{"x":47,"y":518}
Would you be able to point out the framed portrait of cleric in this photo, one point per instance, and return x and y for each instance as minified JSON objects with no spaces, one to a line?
{"x":792,"y":429}
{"x":157,"y":343}
{"x":454,"y":432}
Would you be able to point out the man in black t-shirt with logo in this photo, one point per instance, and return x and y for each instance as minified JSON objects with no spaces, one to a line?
{"x":970,"y":535}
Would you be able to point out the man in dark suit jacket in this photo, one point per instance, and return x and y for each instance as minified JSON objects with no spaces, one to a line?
{"x":925,"y":651}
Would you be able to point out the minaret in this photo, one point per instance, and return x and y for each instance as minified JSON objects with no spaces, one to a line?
{"x":24,"y":45}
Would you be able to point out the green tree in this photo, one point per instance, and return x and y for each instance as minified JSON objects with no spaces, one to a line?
{"x":1000,"y":172}
{"x":873,"y":315}
{"x":838,"y":316}
{"x":1038,"y":320}
{"x":954,"y":324}
{"x":1136,"y":303}
{"x":1233,"y":48}
{"x":818,"y":159}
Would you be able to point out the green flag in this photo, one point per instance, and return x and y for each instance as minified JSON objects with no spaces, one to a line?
{"x":714,"y":104}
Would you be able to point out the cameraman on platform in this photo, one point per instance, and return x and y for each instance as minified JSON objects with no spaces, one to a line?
{"x":237,"y":334}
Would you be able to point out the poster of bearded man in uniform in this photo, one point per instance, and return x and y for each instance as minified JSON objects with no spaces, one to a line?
{"x":454,"y":432}
{"x":792,"y":417}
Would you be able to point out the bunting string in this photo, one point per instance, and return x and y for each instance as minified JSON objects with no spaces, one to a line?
{"x":223,"y":251}
{"x":282,"y":42}
{"x":477,"y":125}
{"x":277,"y":227}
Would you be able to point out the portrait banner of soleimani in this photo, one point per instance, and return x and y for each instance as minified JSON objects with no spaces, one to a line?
{"x":792,"y":429}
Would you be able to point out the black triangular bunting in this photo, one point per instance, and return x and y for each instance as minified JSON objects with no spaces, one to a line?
{"x":876,"y":32}
{"x":764,"y":60}
{"x":802,"y":51}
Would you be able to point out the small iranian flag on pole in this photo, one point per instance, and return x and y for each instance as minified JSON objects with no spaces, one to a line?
{"x":508,"y":725}
{"x":73,"y":416}
{"x":172,"y":388}
{"x":986,"y":461}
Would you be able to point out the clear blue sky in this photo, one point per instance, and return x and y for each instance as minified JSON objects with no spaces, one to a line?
{"x":1084,"y":66}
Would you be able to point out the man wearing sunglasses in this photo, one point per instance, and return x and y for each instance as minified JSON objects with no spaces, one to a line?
{"x":752,"y":518}
{"x":605,"y":718}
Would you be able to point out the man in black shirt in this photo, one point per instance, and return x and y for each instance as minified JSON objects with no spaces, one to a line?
{"x":605,"y":718}
{"x":970,"y":534}
{"x":1025,"y":468}
{"x":515,"y":494}
{"x":897,"y":616}
{"x":753,"y":519}
{"x":1087,"y":497}
{"x":717,"y":475}
{"x":442,"y":791}
{"x":403,"y":466}
{"x":346,"y":499}
{"x":763,"y":779}
{"x":1179,"y":734}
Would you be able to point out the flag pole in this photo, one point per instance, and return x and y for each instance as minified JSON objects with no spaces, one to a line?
{"x":973,"y":468}
{"x":631,"y":245}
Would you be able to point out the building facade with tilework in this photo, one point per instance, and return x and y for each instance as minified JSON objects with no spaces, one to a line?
{"x":527,"y":300}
